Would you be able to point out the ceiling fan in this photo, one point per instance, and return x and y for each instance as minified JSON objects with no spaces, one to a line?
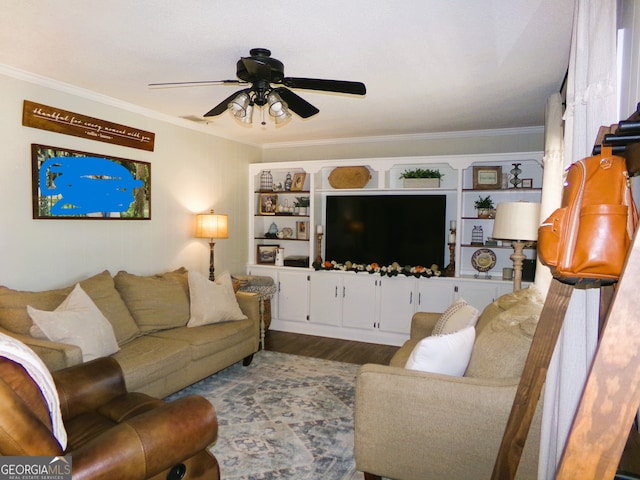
{"x":260,"y":70}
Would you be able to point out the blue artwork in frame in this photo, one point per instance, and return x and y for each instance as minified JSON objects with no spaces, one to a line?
{"x":78,"y":185}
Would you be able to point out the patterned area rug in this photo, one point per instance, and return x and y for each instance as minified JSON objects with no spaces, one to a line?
{"x":284,"y":417}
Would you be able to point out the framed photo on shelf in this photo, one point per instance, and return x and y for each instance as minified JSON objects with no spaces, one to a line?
{"x":487,"y":178}
{"x":526,"y":183}
{"x":266,"y":254}
{"x":268,"y":203}
{"x":302,"y":230}
{"x":298,"y":182}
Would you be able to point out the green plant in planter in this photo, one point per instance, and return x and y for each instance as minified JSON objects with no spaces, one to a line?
{"x":421,"y":173}
{"x":301,"y":202}
{"x":485,"y":207}
{"x":486,"y":203}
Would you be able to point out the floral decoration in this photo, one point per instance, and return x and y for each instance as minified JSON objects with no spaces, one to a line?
{"x":390,"y":270}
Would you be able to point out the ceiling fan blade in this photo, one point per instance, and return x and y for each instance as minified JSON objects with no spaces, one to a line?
{"x":222,"y":106}
{"x":203,"y":83}
{"x":296,"y":103}
{"x":340,"y":86}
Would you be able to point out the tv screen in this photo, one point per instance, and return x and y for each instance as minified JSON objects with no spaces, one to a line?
{"x":408,"y":229}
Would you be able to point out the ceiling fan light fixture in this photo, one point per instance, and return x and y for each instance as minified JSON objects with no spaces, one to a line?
{"x":248,"y":116}
{"x":278,"y":108}
{"x":238,"y":106}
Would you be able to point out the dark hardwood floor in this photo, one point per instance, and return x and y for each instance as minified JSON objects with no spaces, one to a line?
{"x":328,"y":348}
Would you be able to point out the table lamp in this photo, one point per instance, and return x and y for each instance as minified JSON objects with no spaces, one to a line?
{"x":212,"y":226}
{"x":518,"y":222}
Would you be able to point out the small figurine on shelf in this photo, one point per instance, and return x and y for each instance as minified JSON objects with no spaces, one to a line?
{"x":288,"y":182}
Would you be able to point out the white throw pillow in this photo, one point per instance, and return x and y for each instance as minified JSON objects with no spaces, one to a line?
{"x":458,"y":316}
{"x":445,"y":354}
{"x":76,"y":321}
{"x":212,"y":302}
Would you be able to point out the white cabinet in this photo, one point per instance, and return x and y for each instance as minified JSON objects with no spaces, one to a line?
{"x":434,"y":294}
{"x":325,"y":299}
{"x":360,"y":300}
{"x":397,"y":304}
{"x":293,"y":288}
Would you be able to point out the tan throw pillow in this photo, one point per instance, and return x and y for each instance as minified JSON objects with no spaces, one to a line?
{"x":458,"y":316}
{"x":103,"y":292}
{"x":445,"y":354}
{"x":13,"y":306}
{"x":156,"y":302}
{"x":76,"y":321}
{"x":212,"y":302}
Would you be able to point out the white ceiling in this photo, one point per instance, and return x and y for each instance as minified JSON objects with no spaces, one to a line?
{"x":429,"y":65}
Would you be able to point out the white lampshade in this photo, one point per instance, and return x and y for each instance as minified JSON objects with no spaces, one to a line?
{"x":212,"y":225}
{"x":517,"y":221}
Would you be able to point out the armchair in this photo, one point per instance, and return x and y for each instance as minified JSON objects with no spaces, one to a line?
{"x":111,"y":433}
{"x":414,"y":425}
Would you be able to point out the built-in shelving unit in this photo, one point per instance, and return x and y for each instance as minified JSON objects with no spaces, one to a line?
{"x":307,"y":301}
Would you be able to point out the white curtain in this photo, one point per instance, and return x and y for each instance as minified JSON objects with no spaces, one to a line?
{"x":553,"y":170}
{"x":591,"y":102}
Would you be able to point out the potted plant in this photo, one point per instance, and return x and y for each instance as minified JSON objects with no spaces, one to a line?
{"x":485,"y":207}
{"x":302,"y":205}
{"x":421,"y":178}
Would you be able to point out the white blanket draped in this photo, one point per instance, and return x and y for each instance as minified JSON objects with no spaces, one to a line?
{"x":18,"y":352}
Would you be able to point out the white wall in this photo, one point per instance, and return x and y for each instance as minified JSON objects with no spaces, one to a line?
{"x":529,"y":139}
{"x":191,"y":172}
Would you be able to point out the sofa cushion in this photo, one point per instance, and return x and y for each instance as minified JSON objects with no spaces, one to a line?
{"x":13,"y":306}
{"x":76,"y":321}
{"x":446,"y":354}
{"x":102,"y":291}
{"x":149,"y":358}
{"x":502,"y":346}
{"x":100,"y":288}
{"x":457,"y":316}
{"x":212,"y":302}
{"x":156,"y":302}
{"x":210,"y":339}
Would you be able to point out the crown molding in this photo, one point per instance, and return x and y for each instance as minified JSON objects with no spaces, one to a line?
{"x":409,"y":137}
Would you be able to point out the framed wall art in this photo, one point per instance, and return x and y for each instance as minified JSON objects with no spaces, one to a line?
{"x":266,"y":254}
{"x":298,"y":182}
{"x":527,"y":183}
{"x":69,"y":184}
{"x":487,"y":178}
{"x":268,"y":203}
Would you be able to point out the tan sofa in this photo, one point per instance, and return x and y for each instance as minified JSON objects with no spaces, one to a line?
{"x":413,"y":425}
{"x":158,"y":353}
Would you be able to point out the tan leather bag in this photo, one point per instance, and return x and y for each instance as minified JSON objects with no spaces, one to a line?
{"x":586,"y":240}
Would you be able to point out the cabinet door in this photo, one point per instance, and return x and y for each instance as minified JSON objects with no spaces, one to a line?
{"x":293,"y":290}
{"x":359,"y":301}
{"x":325,"y":298}
{"x":397,"y":304}
{"x":434,"y":295}
{"x":476,"y":293}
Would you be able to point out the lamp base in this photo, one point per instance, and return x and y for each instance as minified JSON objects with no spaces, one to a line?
{"x":212,"y":269}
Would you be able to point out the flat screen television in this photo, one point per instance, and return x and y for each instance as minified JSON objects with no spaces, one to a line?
{"x":408,"y":229}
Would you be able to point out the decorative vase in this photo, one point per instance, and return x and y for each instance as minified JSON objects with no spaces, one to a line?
{"x":266,"y":181}
{"x":287,"y":182}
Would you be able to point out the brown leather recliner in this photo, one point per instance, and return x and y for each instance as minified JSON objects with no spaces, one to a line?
{"x":111,"y":433}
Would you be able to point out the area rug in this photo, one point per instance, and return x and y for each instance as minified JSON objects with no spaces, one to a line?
{"x":283,"y":417}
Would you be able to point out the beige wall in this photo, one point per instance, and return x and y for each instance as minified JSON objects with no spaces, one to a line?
{"x":192,"y":171}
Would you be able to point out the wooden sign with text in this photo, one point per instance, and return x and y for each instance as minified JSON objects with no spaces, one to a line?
{"x":57,"y":120}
